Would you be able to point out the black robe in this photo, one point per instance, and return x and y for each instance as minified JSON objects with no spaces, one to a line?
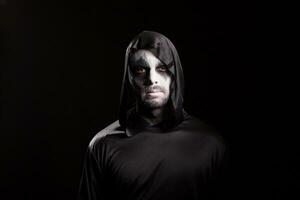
{"x":180,"y":158}
{"x":186,"y":162}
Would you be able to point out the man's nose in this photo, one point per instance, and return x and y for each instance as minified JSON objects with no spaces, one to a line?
{"x":151,"y":78}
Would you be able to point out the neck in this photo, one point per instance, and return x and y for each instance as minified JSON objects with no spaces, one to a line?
{"x":153,"y":116}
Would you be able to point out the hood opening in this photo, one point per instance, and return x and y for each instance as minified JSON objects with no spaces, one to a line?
{"x":166,"y":52}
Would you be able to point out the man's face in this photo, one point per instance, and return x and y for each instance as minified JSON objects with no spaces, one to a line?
{"x":150,"y":79}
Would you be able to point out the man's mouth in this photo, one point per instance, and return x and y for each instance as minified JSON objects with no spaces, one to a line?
{"x":153,"y":91}
{"x":153,"y":94}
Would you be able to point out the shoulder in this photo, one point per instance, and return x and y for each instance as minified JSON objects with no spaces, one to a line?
{"x":209,"y":134}
{"x":213,"y":140}
{"x":112,"y":129}
{"x":193,"y":122}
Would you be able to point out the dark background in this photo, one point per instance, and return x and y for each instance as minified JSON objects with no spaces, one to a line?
{"x":61,"y":70}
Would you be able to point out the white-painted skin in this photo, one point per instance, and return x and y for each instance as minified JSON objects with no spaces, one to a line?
{"x":150,"y":80}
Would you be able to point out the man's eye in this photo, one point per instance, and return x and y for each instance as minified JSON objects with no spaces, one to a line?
{"x":161,"y":68}
{"x":139,"y":70}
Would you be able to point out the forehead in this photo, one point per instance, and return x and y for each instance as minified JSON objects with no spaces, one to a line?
{"x":144,"y":58}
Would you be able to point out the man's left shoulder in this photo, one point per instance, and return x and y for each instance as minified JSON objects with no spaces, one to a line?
{"x":209,"y":133}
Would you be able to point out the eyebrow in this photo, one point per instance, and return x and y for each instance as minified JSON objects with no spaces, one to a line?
{"x":141,"y":62}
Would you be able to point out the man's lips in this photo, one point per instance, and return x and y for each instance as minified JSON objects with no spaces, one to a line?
{"x":153,"y":91}
{"x":153,"y":94}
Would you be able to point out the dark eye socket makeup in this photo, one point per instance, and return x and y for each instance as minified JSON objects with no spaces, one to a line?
{"x":139,"y":70}
{"x":161,"y":68}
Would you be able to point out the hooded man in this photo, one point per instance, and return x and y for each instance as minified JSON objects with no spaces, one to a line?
{"x":155,"y":150}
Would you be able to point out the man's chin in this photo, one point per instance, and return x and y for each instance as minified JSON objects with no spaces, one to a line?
{"x":154,"y":103}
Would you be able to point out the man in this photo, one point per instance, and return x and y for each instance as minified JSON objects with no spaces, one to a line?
{"x":155,"y":150}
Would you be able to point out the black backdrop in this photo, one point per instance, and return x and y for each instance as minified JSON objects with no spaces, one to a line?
{"x":62,"y":64}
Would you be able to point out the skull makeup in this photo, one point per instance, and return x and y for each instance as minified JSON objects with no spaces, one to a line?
{"x":150,"y":79}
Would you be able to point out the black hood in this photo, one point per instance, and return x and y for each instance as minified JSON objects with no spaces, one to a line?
{"x":166,"y":52}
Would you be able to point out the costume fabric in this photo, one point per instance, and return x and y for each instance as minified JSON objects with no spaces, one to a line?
{"x":180,"y":158}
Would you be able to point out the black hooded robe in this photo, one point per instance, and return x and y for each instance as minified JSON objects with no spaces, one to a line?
{"x":180,"y":158}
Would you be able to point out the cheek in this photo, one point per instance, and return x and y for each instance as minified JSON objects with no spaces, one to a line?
{"x":165,"y":81}
{"x":138,"y":83}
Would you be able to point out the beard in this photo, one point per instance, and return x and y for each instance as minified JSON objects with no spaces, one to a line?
{"x":154,"y":103}
{"x":149,"y":101}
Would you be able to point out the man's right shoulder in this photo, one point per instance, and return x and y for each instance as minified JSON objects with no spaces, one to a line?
{"x":112,"y":129}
